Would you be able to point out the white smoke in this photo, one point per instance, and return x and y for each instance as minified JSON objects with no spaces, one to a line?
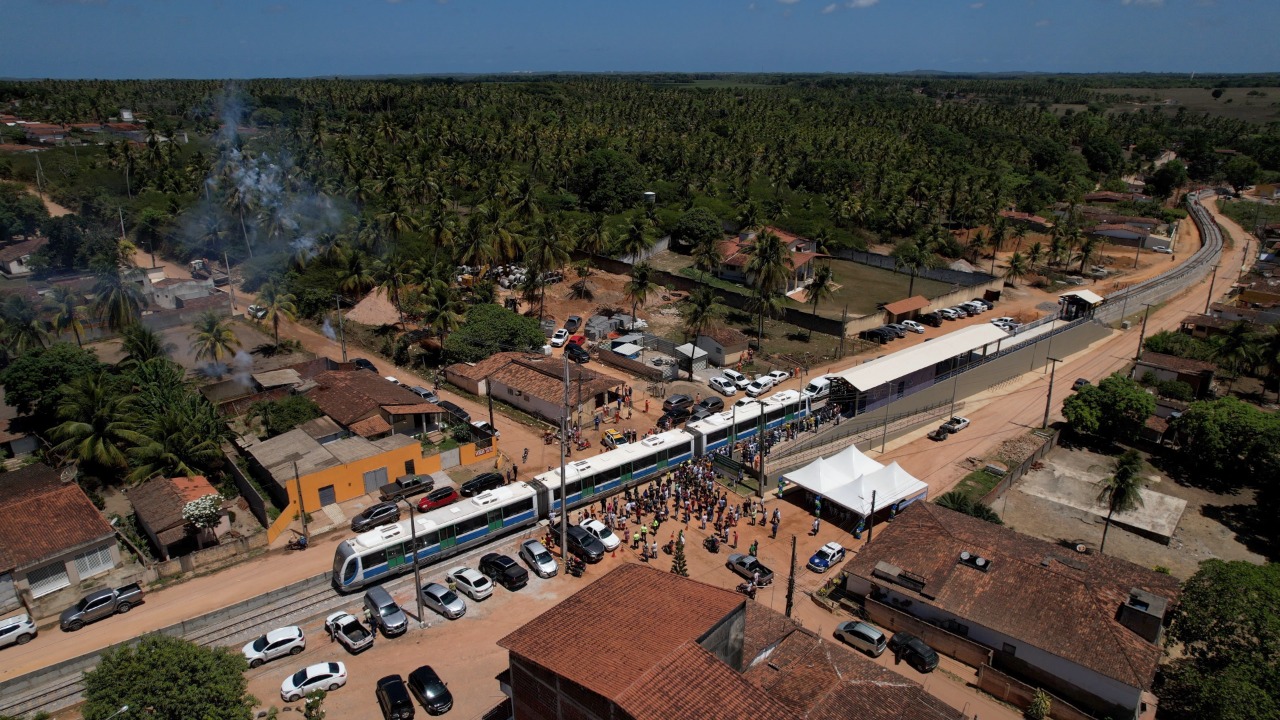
{"x":243,"y":368}
{"x":327,"y":329}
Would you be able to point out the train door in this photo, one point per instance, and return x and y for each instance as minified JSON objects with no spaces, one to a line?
{"x":447,"y":538}
{"x":396,"y":555}
{"x":495,"y":520}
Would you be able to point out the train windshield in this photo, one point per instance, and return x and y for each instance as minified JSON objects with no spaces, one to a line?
{"x":340,"y":557}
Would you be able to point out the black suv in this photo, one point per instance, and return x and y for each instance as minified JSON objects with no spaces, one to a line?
{"x":375,"y":516}
{"x":918,"y":655}
{"x":426,"y":685}
{"x":681,"y":402}
{"x":711,"y":404}
{"x":457,"y":412}
{"x":577,"y":353}
{"x":504,"y":571}
{"x":585,"y":545}
{"x":393,"y":698}
{"x":930,"y":319}
{"x":876,"y":336}
{"x":893,"y":332}
{"x":363,"y":364}
{"x":480,"y":483}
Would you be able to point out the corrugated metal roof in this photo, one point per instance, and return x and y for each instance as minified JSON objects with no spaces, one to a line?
{"x":1088,"y":296}
{"x":904,"y":362}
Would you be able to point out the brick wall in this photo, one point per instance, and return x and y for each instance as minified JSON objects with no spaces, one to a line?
{"x":966,"y":651}
{"x":1004,"y":688}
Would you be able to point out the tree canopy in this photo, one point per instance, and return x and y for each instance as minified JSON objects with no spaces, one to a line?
{"x":1227,"y":623}
{"x":1114,"y":409}
{"x":174,"y":679}
{"x":606,"y":180}
{"x":491,"y":329}
{"x":33,"y":382}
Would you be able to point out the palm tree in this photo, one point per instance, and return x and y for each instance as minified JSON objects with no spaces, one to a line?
{"x":702,"y":312}
{"x":1017,"y":267}
{"x":141,"y":343}
{"x":1269,"y":356}
{"x":1120,"y":491}
{"x":1237,"y":348}
{"x":213,"y":337}
{"x":1034,"y":254}
{"x":913,"y":255}
{"x":1087,"y":246}
{"x":768,"y":269}
{"x":547,"y":249}
{"x":277,"y":304}
{"x":21,"y":327}
{"x":96,"y":424}
{"x":636,"y":239}
{"x":66,"y":311}
{"x":640,"y":286}
{"x":392,"y":274}
{"x":444,"y":311}
{"x":354,"y":276}
{"x":764,"y":303}
{"x":822,"y":287}
{"x":707,"y":256}
{"x":182,"y":439}
{"x":117,"y":300}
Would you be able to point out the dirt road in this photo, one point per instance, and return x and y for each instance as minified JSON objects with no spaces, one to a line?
{"x":1012,"y":410}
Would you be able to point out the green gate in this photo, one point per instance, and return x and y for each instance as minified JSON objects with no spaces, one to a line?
{"x":395,"y":556}
{"x":495,"y":520}
{"x":447,"y":539}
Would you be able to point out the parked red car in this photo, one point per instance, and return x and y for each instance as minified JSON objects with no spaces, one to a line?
{"x":438,"y":498}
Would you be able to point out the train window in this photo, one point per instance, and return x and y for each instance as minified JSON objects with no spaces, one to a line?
{"x":353,"y":567}
{"x":473,"y":523}
{"x":718,"y":435}
{"x":427,"y":540}
{"x":608,"y":475}
{"x":514,"y":509}
{"x":375,"y":558}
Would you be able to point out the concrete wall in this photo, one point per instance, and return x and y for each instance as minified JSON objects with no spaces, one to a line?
{"x":229,"y":552}
{"x":967,"y":652}
{"x":257,"y":503}
{"x":1004,"y":688}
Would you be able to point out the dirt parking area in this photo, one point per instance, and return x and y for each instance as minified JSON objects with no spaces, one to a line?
{"x":1198,"y":536}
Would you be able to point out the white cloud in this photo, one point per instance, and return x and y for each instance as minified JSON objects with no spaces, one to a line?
{"x":788,"y":2}
{"x":1148,"y":3}
{"x":977,"y":5}
{"x":1042,"y":23}
{"x":751,"y":6}
{"x":829,"y":9}
{"x":862,"y":3}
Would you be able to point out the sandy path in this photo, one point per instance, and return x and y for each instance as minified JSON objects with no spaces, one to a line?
{"x":54,"y":208}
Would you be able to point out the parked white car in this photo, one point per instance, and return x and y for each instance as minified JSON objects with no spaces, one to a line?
{"x":779,"y":376}
{"x":538,"y":559}
{"x":1004,"y":321}
{"x":601,"y":532}
{"x":739,"y":380}
{"x":723,"y":386}
{"x":948,"y":313}
{"x":559,"y":338}
{"x":471,"y":582}
{"x":275,"y":644}
{"x":1163,"y":249}
{"x":760,"y":386}
{"x":17,"y":630}
{"x":913,"y":326}
{"x":328,"y":676}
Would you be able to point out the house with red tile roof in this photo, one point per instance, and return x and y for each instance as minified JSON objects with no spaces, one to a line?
{"x":158,"y":505}
{"x":1028,"y":220}
{"x":1086,"y":627}
{"x":1198,"y":374}
{"x":534,"y":383}
{"x":737,"y":255}
{"x":370,"y":406}
{"x":704,"y":653}
{"x":15,"y":258}
{"x":51,"y":535}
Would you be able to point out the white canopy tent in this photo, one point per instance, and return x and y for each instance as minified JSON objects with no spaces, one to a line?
{"x":824,"y":475}
{"x":849,"y":478}
{"x":890,"y":485}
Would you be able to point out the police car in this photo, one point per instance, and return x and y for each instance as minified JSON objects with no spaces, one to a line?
{"x":827,"y":556}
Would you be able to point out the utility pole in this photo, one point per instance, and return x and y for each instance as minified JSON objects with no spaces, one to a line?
{"x":302,"y":511}
{"x":564,"y":489}
{"x":342,"y":338}
{"x":764,"y":475}
{"x":1209,"y":300}
{"x":1048,"y":400}
{"x":417,"y":573}
{"x":871,"y":518}
{"x":844,"y":320}
{"x":1244,"y":260}
{"x":791,"y":578}
{"x":1143,"y":333}
{"x":231,"y":288}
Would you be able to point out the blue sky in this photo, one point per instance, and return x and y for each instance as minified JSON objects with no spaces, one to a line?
{"x":291,"y":38}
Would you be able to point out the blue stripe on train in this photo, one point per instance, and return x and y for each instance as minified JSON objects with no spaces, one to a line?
{"x":469,"y":538}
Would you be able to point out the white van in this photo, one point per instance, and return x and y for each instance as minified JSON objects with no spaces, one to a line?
{"x":817,"y":388}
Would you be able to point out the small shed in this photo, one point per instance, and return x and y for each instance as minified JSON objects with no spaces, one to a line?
{"x":724,"y":346}
{"x":1079,"y":303}
{"x":629,"y":350}
{"x":905,"y":309}
{"x":692,"y":357}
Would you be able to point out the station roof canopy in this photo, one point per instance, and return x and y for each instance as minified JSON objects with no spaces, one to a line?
{"x":917,"y":302}
{"x":1088,"y":296}
{"x":875,"y":373}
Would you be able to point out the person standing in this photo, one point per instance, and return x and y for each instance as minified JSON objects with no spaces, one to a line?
{"x":816,"y":522}
{"x":735,"y":540}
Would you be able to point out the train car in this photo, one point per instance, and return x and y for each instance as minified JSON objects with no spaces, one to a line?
{"x":743,"y":421}
{"x":441,"y":533}
{"x":599,"y":475}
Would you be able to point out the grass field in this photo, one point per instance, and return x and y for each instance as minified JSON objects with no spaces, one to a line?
{"x":864,"y":287}
{"x":1247,"y":214}
{"x":1235,"y":103}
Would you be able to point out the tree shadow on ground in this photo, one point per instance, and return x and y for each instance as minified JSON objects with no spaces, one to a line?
{"x":1253,"y":526}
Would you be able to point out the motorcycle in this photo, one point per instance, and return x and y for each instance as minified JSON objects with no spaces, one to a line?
{"x":298,"y":543}
{"x":670,"y":547}
{"x":583,"y":443}
{"x":748,"y":589}
{"x":575,"y":567}
{"x":712,"y":544}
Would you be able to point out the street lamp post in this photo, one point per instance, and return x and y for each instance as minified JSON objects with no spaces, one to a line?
{"x":1048,"y":401}
{"x":1142,"y":334}
{"x":888,"y":400}
{"x":1209,"y":300}
{"x":417,"y":573}
{"x":123,"y":709}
